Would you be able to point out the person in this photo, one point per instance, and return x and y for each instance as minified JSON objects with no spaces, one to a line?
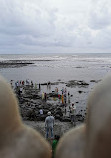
{"x":23,"y":83}
{"x":45,"y":97}
{"x":17,"y":84}
{"x":49,"y":124}
{"x":41,"y":112}
{"x":65,"y":98}
{"x":11,"y":82}
{"x":21,"y":90}
{"x":73,"y":114}
{"x":39,"y":86}
{"x":65,"y":111}
{"x":68,"y":97}
{"x":35,"y":85}
{"x":54,"y":144}
{"x":62,"y":99}
{"x":65,"y":90}
{"x":62,"y":90}
{"x":56,"y":90}
{"x":59,"y":97}
{"x":27,"y":82}
{"x":32,"y":83}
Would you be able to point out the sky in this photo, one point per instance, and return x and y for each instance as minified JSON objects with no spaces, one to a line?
{"x":55,"y":26}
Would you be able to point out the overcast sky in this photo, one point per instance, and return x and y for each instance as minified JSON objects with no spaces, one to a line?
{"x":55,"y":26}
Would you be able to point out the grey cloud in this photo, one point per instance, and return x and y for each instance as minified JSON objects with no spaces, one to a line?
{"x":40,"y":26}
{"x":99,"y":21}
{"x":16,"y":20}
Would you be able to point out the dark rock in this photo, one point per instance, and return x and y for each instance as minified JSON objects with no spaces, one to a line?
{"x":74,"y":83}
{"x":57,"y":116}
{"x":79,"y":67}
{"x":96,"y":81}
{"x":80,"y":117}
{"x":53,"y":94}
{"x":80,"y":91}
{"x":66,"y":119}
{"x":92,"y":81}
{"x":43,"y":84}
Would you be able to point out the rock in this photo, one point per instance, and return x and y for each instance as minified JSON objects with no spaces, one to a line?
{"x":57,"y":116}
{"x":65,"y":119}
{"x":74,"y":83}
{"x":80,"y":117}
{"x":96,"y":81}
{"x":43,"y":84}
{"x":80,"y":91}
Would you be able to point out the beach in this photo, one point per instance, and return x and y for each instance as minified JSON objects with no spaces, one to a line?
{"x":77,"y":73}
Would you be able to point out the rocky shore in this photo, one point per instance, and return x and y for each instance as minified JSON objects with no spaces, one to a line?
{"x":30,"y":103}
{"x":14,"y":63}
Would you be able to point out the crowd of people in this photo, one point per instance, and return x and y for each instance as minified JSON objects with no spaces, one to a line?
{"x":63,"y":98}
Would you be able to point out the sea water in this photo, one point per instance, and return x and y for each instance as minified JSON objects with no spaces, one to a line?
{"x":51,"y":67}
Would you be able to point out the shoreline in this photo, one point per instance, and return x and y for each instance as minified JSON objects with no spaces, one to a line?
{"x":30,"y":103}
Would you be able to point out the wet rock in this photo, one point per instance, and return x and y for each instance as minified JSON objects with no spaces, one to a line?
{"x":43,"y":84}
{"x":41,"y":117}
{"x":59,"y":113}
{"x":92,"y":81}
{"x":96,"y":81}
{"x":53,"y":94}
{"x":80,"y":91}
{"x":79,"y":67}
{"x":80,"y":117}
{"x":45,"y":111}
{"x":55,"y":83}
{"x":66,"y":119}
{"x":74,"y":83}
{"x":57,"y":116}
{"x":14,"y":63}
{"x":30,"y":103}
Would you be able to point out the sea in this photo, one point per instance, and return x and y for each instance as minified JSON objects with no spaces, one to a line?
{"x":61,"y":67}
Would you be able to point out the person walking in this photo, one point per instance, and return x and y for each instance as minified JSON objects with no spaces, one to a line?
{"x":73,"y":115}
{"x":49,"y":124}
